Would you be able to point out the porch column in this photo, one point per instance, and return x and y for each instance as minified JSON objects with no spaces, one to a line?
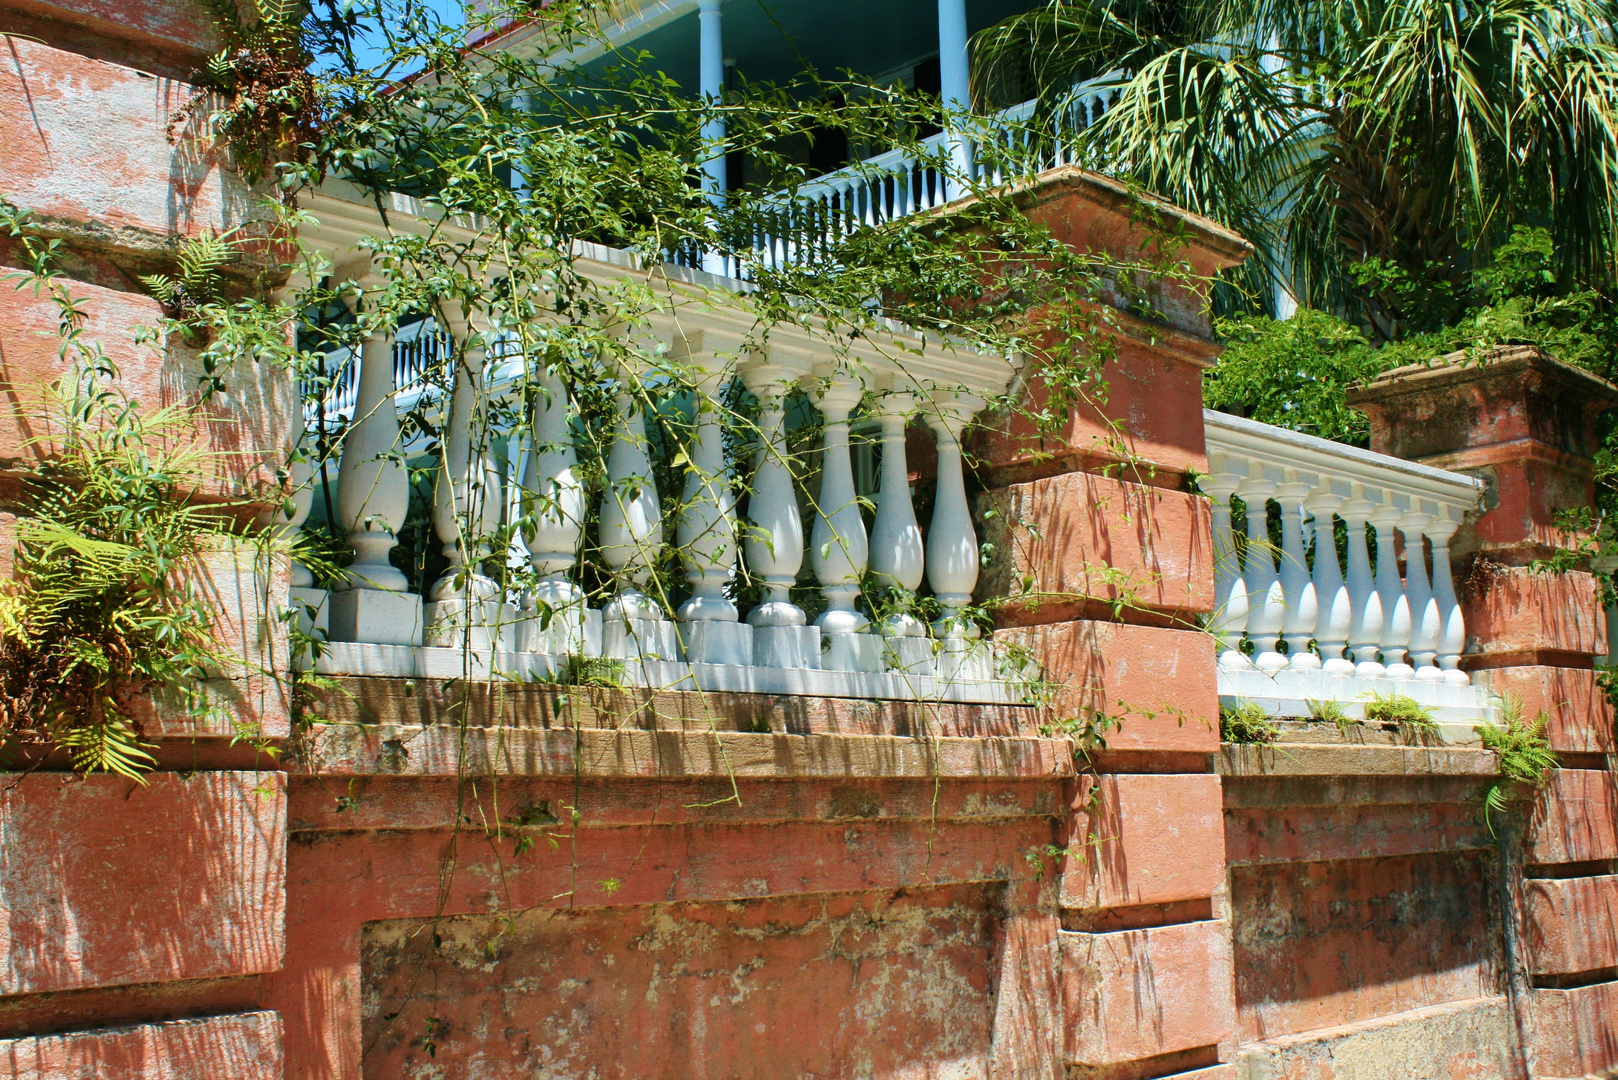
{"x":955,"y":82}
{"x":711,"y":85}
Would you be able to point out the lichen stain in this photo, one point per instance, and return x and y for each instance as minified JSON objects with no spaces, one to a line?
{"x":847,"y":986}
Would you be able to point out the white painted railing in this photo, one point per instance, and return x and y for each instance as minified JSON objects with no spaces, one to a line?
{"x":466,"y":622}
{"x":1317,"y":627}
{"x":900,"y":183}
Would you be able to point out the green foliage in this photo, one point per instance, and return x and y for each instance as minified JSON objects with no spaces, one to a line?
{"x":99,"y":610}
{"x":1525,"y":756}
{"x":1329,"y":711}
{"x":1246,"y":722}
{"x":196,"y":282}
{"x":1398,"y":709}
{"x":1374,"y":153}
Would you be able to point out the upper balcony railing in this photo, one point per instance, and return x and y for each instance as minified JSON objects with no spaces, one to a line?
{"x":900,"y":183}
{"x":1320,"y":626}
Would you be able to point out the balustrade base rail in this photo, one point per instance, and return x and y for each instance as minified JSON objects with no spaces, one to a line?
{"x":1457,"y":711}
{"x":426,"y":662}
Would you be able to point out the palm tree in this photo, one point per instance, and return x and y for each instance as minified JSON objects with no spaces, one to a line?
{"x":1373,"y":150}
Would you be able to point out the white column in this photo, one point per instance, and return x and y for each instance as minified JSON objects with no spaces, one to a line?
{"x":773,"y":544}
{"x":838,"y":549}
{"x":464,"y":608}
{"x":309,"y":604}
{"x":1229,"y":619}
{"x":373,"y":497}
{"x":1266,"y":605}
{"x":1335,"y":610}
{"x":955,"y":77}
{"x":897,"y":558}
{"x":1426,"y":622}
{"x":1395,"y":636}
{"x":1452,"y":642}
{"x":553,"y":502}
{"x":711,"y":85}
{"x":707,"y":526}
{"x":952,"y":545}
{"x":1297,"y":589}
{"x":1365,"y":628}
{"x":635,"y":625}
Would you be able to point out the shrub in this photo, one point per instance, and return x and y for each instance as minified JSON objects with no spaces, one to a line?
{"x":1246,"y":722}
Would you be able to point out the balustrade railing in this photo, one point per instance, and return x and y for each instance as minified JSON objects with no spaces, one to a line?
{"x":899,"y":183}
{"x":466,"y":623}
{"x":1311,"y":617}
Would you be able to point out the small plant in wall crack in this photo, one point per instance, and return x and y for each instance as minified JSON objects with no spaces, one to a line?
{"x":1399,"y":709}
{"x":1525,"y":757}
{"x":1246,"y":722}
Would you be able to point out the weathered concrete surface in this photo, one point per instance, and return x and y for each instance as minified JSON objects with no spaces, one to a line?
{"x":409,"y":703}
{"x":1144,"y":839}
{"x":880,"y":985}
{"x":178,"y":34}
{"x":1066,"y":543}
{"x":1142,"y":993}
{"x":1515,"y":617}
{"x":640,"y":842}
{"x":439,"y":751}
{"x":1575,"y":818}
{"x":246,"y":433}
{"x":88,"y":150}
{"x":1580,"y":720}
{"x":1463,"y":1040}
{"x":1572,"y":924}
{"x":1570,"y":1032}
{"x":1326,"y":943}
{"x":1158,"y":683}
{"x":1322,"y":759}
{"x":1267,"y":834}
{"x":1523,"y":421}
{"x":244,"y":1046}
{"x":105,"y":881}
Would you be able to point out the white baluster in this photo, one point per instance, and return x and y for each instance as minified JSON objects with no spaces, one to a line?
{"x":1452,"y":642}
{"x":555,"y":619}
{"x":839,"y":550}
{"x":464,"y":606}
{"x":773,"y":544}
{"x":897,"y":558}
{"x":1395,"y":636}
{"x":309,"y":604}
{"x":1365,"y":632}
{"x":1297,"y":589}
{"x":1335,"y":619}
{"x":1229,"y":619}
{"x":634,"y":625}
{"x":1266,"y":605}
{"x":707,"y":526}
{"x":373,"y":497}
{"x":952,"y":545}
{"x":1426,"y":622}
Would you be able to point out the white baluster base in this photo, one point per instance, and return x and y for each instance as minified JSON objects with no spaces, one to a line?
{"x":639,"y":639}
{"x":787,"y":647}
{"x":714,"y":641}
{"x":1458,"y":710}
{"x":311,"y":609}
{"x":476,"y":624}
{"x":851,"y":652}
{"x":909,"y":655}
{"x":573,"y":631}
{"x":965,"y":660}
{"x":371,"y":615}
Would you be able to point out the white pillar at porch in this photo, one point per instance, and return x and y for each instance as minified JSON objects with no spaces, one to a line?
{"x":952,"y":545}
{"x":707,"y":525}
{"x":773,"y":540}
{"x":465,"y":608}
{"x":955,"y":81}
{"x":897,"y":557}
{"x":373,"y":496}
{"x":711,"y":85}
{"x":838,"y":548}
{"x":554,"y":617}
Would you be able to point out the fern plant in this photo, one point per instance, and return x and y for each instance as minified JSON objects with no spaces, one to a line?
{"x":196,"y":282}
{"x":1525,"y":756}
{"x":98,"y":610}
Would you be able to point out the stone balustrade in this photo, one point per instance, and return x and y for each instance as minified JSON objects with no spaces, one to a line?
{"x":698,"y":341}
{"x":1327,"y":615}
